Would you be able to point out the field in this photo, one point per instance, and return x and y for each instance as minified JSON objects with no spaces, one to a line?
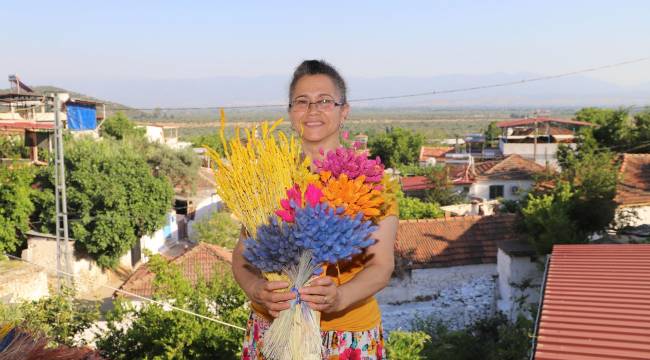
{"x":433,"y":123}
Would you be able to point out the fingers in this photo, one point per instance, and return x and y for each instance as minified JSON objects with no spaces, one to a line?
{"x":316,"y":299}
{"x":275,"y":285}
{"x":321,"y":281}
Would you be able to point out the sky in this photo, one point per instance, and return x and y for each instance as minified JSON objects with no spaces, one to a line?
{"x":45,"y":41}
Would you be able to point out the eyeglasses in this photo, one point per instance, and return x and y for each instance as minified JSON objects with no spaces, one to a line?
{"x":321,"y":105}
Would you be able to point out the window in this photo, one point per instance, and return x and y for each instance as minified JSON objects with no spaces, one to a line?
{"x":496,"y":191}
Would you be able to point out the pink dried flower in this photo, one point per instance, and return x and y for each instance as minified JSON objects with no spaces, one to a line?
{"x":347,"y":161}
{"x":295,"y":200}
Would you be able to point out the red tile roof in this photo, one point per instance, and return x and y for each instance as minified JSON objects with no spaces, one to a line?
{"x":412,"y":183}
{"x":456,"y":241}
{"x":200,"y":261}
{"x":596,"y":303}
{"x":437,"y":152}
{"x":552,"y":130}
{"x":522,"y":122}
{"x":634,"y":183}
{"x":513,"y":167}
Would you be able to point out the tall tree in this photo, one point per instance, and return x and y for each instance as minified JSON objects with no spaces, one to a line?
{"x":396,"y":146}
{"x":113,"y":198}
{"x":119,"y":127}
{"x":15,"y":205}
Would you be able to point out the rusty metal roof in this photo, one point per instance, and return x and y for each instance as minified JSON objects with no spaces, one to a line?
{"x":540,"y":120}
{"x":596,"y":303}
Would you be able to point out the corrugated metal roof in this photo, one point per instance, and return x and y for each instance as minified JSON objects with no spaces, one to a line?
{"x":596,"y":303}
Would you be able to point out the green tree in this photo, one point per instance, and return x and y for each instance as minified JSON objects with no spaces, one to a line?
{"x":641,"y":132}
{"x":396,"y":146}
{"x":218,"y":229}
{"x":15,"y":205}
{"x":179,"y":166}
{"x":113,"y":198}
{"x":119,"y":127}
{"x":492,"y":133}
{"x":158,"y":333}
{"x":613,"y":128}
{"x":442,"y":191}
{"x":212,"y":141}
{"x":59,"y":317}
{"x":582,"y":202}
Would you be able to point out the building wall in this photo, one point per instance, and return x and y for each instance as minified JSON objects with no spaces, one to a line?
{"x":545,"y":152}
{"x":481,"y":188}
{"x":642,"y":214}
{"x":514,"y":272}
{"x":204,"y":208}
{"x":455,"y":295}
{"x":20,"y":281}
{"x":42,"y":251}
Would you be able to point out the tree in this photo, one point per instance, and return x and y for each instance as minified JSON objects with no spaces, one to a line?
{"x":15,"y":205}
{"x":119,"y":127}
{"x":613,"y":126}
{"x":212,"y":141}
{"x":113,"y":198}
{"x":492,"y":133}
{"x":179,"y":166}
{"x":219,"y":229}
{"x":396,"y":146}
{"x":442,"y":191}
{"x":13,"y":147}
{"x":582,"y":202}
{"x":641,"y":132}
{"x":155,"y":332}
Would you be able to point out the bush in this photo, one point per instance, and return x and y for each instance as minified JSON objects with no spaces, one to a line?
{"x":59,"y":317}
{"x":405,"y":345}
{"x":414,"y":208}
{"x":15,"y":206}
{"x":493,"y":338}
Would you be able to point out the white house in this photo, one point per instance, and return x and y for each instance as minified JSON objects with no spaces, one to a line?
{"x":509,"y":178}
{"x":537,"y":139}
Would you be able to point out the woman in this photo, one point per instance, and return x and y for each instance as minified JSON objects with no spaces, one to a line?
{"x":350,"y":315}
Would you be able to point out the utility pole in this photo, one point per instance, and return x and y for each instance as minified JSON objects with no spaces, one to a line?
{"x":62,"y":240}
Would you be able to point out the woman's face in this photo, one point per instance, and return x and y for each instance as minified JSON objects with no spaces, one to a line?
{"x":317,"y":125}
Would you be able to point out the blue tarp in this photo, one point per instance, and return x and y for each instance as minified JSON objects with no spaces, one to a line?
{"x":81,"y":116}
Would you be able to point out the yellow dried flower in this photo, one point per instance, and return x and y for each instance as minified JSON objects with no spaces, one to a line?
{"x":253,"y":177}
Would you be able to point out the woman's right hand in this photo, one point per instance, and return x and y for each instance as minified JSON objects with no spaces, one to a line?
{"x":274,"y":302}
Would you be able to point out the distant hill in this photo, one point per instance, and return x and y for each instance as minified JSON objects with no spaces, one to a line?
{"x":233,"y":90}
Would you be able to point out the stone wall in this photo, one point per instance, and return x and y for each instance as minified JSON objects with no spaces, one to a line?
{"x":20,"y":281}
{"x":456,"y":296}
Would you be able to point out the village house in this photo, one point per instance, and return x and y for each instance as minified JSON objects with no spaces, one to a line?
{"x":432,"y":155}
{"x":633,"y":197}
{"x":447,"y":269}
{"x":202,"y":260}
{"x":538,"y":139}
{"x":595,"y":303}
{"x":509,"y":178}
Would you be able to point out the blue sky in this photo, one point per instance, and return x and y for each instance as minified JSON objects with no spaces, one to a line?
{"x":45,"y":41}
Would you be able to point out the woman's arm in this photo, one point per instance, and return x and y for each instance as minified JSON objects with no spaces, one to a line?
{"x":323,"y":294}
{"x":258,"y":289}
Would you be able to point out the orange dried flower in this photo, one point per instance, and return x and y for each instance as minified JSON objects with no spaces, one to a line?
{"x":352,"y":195}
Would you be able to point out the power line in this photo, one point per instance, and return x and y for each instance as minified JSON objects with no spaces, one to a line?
{"x":403,"y":96}
{"x":164,"y":305}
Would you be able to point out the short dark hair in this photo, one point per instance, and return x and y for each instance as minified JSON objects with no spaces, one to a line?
{"x":318,"y":67}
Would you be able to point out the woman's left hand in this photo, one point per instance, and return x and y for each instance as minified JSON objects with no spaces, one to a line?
{"x":322,"y":295}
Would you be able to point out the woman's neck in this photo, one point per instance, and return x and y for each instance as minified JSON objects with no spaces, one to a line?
{"x":313,"y":148}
